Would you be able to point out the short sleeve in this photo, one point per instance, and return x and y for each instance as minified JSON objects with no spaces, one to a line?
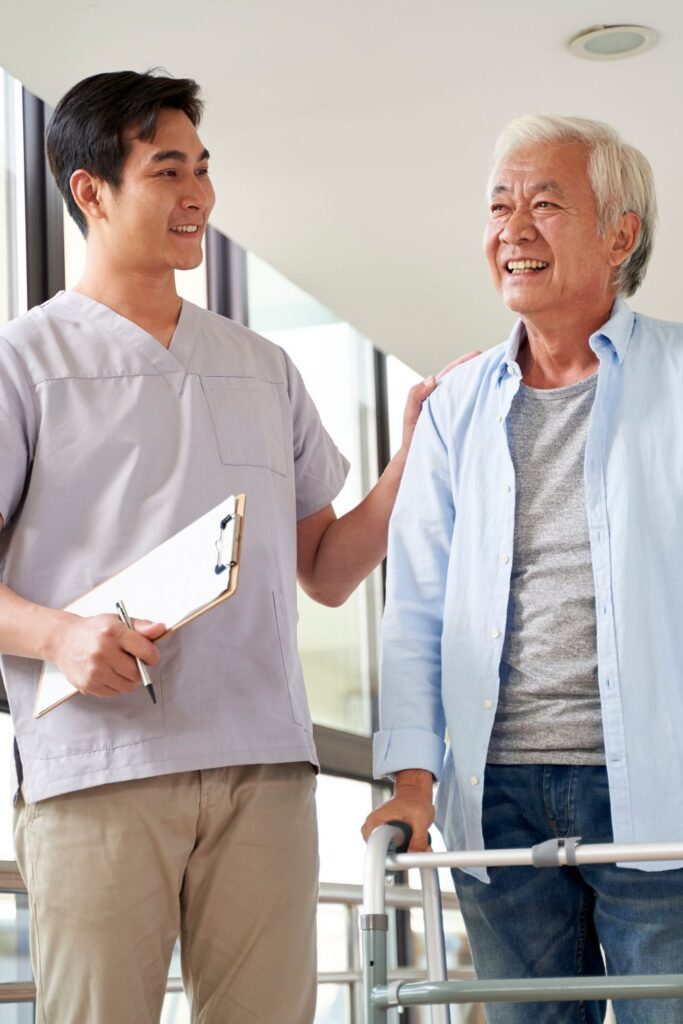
{"x":319,"y":467}
{"x":18,"y":429}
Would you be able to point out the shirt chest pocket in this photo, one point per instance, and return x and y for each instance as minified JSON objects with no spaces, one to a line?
{"x":249,"y":421}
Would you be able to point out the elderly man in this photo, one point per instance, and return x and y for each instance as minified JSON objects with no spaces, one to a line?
{"x":536,"y":582}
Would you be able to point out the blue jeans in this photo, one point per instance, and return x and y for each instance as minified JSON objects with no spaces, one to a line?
{"x":551,"y":922}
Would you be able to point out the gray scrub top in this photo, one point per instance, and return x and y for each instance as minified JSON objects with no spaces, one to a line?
{"x":109,"y":444}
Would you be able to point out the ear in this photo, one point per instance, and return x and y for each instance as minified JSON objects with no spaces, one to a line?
{"x":624,"y":238}
{"x":87,"y":191}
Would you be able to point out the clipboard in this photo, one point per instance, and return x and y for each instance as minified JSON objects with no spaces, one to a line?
{"x":185,"y":576}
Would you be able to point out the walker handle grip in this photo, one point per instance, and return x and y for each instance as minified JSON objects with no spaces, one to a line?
{"x":408,"y":835}
{"x":407,"y":831}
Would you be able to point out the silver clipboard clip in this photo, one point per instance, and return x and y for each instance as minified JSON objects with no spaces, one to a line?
{"x":223,"y":563}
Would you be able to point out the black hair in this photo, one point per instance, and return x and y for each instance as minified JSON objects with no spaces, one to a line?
{"x":89,"y":126}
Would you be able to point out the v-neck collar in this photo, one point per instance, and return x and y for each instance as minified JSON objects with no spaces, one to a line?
{"x":171,"y":362}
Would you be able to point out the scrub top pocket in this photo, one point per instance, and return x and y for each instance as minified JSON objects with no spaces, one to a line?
{"x":248,"y":419}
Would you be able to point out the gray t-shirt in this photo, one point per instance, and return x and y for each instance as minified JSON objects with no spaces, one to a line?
{"x":549,"y":704}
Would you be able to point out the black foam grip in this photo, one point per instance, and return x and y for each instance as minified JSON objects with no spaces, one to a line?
{"x":407,"y":835}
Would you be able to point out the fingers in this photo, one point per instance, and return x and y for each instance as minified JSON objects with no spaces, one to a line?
{"x":368,"y":826}
{"x":418,"y":813}
{"x":133,"y":641}
{"x":108,"y":683}
{"x":419,"y":840}
{"x":419,"y":843}
{"x":151,"y":630}
{"x":423,"y":390}
{"x":419,"y":393}
{"x":111,"y":668}
{"x":104,"y":691}
{"x":381,"y":816}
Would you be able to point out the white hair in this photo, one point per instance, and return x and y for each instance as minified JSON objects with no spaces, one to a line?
{"x":620,"y":176}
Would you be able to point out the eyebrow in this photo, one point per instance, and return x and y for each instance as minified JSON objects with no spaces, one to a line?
{"x":541,"y":186}
{"x":177,"y":154}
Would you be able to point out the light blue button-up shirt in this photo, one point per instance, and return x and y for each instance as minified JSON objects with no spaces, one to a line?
{"x":448,"y":583}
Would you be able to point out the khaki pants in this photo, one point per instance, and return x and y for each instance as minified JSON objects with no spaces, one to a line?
{"x":227,"y":858}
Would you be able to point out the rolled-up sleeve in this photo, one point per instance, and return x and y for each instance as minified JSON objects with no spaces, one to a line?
{"x":412,"y":720}
{"x":17,"y":429}
{"x":319,"y":467}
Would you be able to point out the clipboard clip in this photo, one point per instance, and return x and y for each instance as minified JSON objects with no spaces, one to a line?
{"x":221,"y":566}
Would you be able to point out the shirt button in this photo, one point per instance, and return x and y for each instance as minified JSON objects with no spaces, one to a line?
{"x":500,"y":419}
{"x":488,"y":704}
{"x":508,"y":488}
{"x":494,"y":634}
{"x":474,"y":779}
{"x":506,"y":559}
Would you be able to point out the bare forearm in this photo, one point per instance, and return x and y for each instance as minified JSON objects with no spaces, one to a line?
{"x":353,"y":545}
{"x":26,"y":629}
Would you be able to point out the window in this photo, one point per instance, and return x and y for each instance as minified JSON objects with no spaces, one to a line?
{"x":191,"y":284}
{"x":400,"y":379}
{"x":74,"y":251}
{"x":12,"y":221}
{"x":338,"y":646}
{"x":343,"y":805}
{"x":6,"y":794}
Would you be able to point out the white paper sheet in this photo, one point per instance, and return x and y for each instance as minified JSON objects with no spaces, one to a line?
{"x":166,"y":585}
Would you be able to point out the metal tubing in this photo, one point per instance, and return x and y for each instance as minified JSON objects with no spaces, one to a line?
{"x":596,"y":853}
{"x":374,"y":974}
{"x":374,"y":921}
{"x":396,"y":895}
{"x":17,"y":992}
{"x":437,"y":991}
{"x":374,"y":867}
{"x":533,"y":990}
{"x":435,"y":945}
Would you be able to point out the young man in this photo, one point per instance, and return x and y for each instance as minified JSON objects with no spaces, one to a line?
{"x":126,"y":414}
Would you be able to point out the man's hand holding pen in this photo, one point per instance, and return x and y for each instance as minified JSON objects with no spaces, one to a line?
{"x":98,"y":654}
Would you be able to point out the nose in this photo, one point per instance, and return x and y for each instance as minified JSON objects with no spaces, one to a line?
{"x":195,"y":195}
{"x":518,"y":227}
{"x":192,"y":198}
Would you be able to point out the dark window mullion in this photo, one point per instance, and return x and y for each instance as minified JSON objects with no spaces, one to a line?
{"x":226,"y":274}
{"x":383,"y":439}
{"x":44,"y":208}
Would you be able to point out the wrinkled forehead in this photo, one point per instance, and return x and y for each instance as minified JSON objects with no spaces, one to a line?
{"x":559,"y":167}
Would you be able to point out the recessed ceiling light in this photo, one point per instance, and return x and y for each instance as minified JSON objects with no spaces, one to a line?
{"x":612,"y":42}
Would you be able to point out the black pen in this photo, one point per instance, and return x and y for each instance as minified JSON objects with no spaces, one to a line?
{"x":144,"y":672}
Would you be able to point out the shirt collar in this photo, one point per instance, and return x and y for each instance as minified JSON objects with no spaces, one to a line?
{"x":166,"y":361}
{"x":616,"y":332}
{"x":508,"y":364}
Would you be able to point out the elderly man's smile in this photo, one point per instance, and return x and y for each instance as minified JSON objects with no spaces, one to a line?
{"x":525,"y":266}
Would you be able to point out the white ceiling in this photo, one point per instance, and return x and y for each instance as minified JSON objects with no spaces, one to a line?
{"x":350,"y":139}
